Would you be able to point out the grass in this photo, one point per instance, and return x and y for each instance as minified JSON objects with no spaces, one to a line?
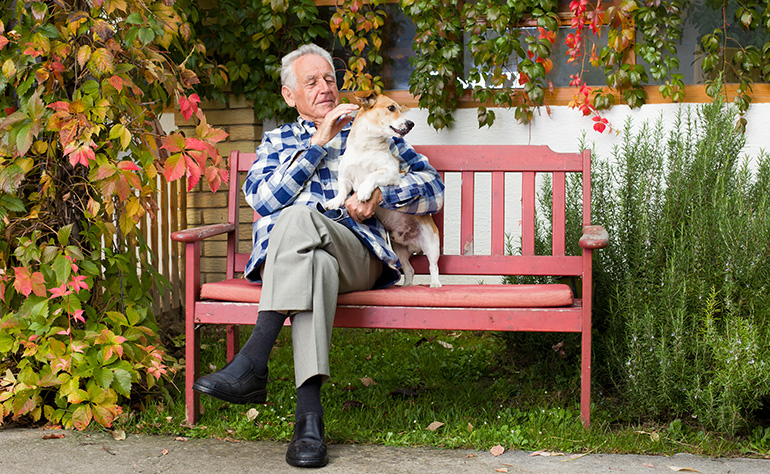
{"x":388,"y":387}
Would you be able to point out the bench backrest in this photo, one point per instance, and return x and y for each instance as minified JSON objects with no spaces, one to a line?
{"x":511,"y":171}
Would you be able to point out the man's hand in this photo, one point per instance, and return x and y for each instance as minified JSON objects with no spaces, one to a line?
{"x":360,"y":211}
{"x":332,"y":124}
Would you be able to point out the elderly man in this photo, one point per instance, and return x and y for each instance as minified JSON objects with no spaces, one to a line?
{"x":305,"y":256}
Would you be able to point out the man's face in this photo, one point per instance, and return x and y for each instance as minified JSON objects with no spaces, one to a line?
{"x":316,"y":92}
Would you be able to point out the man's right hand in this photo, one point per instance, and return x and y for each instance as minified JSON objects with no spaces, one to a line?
{"x":333,"y":123}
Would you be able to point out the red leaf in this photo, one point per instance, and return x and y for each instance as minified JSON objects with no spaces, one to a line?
{"x":193,"y":172}
{"x":189,"y":105}
{"x":195,"y":144}
{"x":60,"y":106}
{"x":174,"y":167}
{"x":117,"y":83}
{"x":174,"y":143}
{"x":82,"y":154}
{"x":128,"y":165}
{"x":23,"y":282}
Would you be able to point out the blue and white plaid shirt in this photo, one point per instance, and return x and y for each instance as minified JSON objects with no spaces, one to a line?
{"x":290,"y":171}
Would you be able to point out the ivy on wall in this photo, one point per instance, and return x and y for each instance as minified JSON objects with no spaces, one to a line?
{"x":511,"y":44}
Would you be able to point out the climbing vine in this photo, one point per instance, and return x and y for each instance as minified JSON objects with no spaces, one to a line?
{"x":499,"y":53}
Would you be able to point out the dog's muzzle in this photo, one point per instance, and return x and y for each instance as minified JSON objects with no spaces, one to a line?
{"x":406,"y":128}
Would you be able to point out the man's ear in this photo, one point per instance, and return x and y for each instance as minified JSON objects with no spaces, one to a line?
{"x":288,"y":96}
{"x":366,"y":98}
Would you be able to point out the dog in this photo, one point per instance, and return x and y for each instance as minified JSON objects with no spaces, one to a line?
{"x":368,"y":163}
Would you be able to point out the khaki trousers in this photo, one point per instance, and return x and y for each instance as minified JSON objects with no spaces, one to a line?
{"x":310,"y":260}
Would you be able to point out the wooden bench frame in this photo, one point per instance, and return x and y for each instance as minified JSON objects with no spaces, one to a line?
{"x":497,"y":161}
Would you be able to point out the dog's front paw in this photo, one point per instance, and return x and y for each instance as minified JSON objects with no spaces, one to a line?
{"x":335,"y":203}
{"x":364,"y":193}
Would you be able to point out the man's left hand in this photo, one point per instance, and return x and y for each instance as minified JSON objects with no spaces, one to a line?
{"x":360,"y":211}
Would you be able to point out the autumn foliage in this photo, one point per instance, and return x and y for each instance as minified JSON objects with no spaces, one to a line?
{"x":82,"y":83}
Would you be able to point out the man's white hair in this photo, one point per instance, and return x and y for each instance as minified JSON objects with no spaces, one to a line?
{"x":288,"y":77}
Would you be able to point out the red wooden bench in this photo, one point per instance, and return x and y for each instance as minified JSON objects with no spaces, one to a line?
{"x":493,"y":307}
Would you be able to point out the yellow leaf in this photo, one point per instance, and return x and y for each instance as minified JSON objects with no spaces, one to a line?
{"x":9,"y":69}
{"x":84,"y":54}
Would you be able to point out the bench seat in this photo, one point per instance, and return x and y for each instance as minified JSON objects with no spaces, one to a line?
{"x":448,"y":296}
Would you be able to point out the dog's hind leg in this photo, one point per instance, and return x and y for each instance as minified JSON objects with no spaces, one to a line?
{"x":431,"y":247}
{"x":404,"y":255}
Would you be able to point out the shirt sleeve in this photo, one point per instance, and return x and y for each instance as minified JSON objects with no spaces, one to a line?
{"x":279,"y":173}
{"x":421,"y":190}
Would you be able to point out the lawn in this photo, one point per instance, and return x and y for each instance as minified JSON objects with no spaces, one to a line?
{"x":443,"y":389}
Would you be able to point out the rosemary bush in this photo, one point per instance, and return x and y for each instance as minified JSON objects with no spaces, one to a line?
{"x":683,"y":289}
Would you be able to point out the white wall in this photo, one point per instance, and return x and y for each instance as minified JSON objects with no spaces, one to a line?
{"x":563,"y":129}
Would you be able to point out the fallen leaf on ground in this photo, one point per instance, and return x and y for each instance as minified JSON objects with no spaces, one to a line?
{"x":683,"y":469}
{"x":53,"y":436}
{"x":118,"y":435}
{"x":368,"y":381}
{"x":252,"y":414}
{"x":434,"y":426}
{"x":470,"y":427}
{"x":348,"y":404}
{"x":646,"y":464}
{"x":543,"y":452}
{"x":501,"y":469}
{"x":446,"y":345}
{"x":164,"y":452}
{"x":497,"y":450}
{"x":232,"y":440}
{"x":180,"y":438}
{"x":471,"y":456}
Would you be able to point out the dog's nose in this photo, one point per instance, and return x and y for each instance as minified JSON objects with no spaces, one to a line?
{"x":409,"y":125}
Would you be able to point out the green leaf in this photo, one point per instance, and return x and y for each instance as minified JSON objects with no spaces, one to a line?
{"x":103,"y":376}
{"x":64,"y":235}
{"x":12,"y":203}
{"x":6,"y":342}
{"x":82,"y":417}
{"x":122,"y":382}
{"x":62,"y":267}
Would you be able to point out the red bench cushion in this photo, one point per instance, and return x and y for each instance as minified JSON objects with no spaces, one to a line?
{"x":448,"y":296}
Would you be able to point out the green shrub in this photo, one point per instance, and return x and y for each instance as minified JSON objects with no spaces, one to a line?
{"x":683,"y":286}
{"x":81,"y":86}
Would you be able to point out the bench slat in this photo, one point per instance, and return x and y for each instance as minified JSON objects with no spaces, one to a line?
{"x":567,"y":319}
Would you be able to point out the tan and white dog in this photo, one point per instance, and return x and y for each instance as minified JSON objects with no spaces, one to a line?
{"x":368,"y":163}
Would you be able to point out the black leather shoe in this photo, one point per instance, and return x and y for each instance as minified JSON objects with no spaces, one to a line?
{"x":237,"y":382}
{"x":307,"y":447}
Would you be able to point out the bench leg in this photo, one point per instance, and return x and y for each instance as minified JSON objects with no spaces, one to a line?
{"x":192,"y":364}
{"x":585,"y":359}
{"x":233,"y":340}
{"x":192,"y":338}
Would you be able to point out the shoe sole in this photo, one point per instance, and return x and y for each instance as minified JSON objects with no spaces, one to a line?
{"x":307,"y":462}
{"x":260,"y":396}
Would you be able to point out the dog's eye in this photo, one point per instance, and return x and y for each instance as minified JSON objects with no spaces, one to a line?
{"x":392,"y":108}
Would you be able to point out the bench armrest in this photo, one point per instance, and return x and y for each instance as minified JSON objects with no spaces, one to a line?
{"x":199,"y":233}
{"x":594,"y":237}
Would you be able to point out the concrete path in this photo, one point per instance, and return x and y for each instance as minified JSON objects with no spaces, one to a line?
{"x":25,"y":451}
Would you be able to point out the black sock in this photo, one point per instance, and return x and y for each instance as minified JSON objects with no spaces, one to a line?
{"x":257,"y":349}
{"x":309,"y":396}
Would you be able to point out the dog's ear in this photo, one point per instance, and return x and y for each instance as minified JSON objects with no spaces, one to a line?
{"x":366,"y":98}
